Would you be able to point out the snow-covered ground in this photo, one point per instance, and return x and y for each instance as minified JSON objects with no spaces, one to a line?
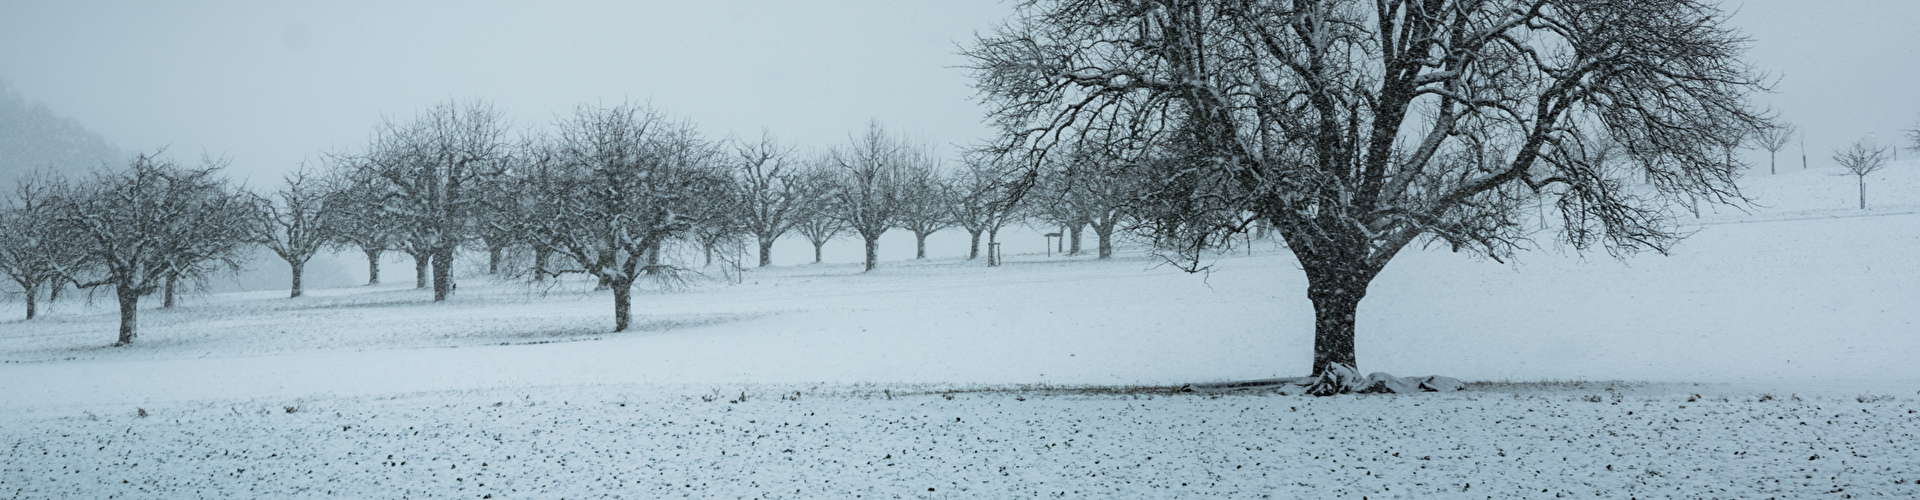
{"x":797,"y":442}
{"x":1805,"y":302}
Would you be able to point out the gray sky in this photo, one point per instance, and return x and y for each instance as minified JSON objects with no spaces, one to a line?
{"x":271,"y":83}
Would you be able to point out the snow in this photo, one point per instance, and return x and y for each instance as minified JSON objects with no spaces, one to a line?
{"x":796,"y":442}
{"x":1805,"y":302}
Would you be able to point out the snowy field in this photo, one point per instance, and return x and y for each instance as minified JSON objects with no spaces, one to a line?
{"x":1794,"y":324}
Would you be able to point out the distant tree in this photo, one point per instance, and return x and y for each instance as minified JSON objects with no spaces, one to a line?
{"x":1861,"y":159}
{"x":33,"y":254}
{"x":1097,"y":188}
{"x":985,"y":200}
{"x":296,"y":221}
{"x":1913,"y":138}
{"x":360,"y":219}
{"x":1774,"y":139}
{"x":869,"y":191}
{"x":770,"y":190}
{"x":153,"y":223}
{"x":623,"y":180}
{"x":433,"y":174}
{"x":814,"y":218}
{"x":1353,"y":127}
{"x":497,"y":222}
{"x":926,"y":203}
{"x":722,"y":221}
{"x":536,"y":171}
{"x":1053,"y":205}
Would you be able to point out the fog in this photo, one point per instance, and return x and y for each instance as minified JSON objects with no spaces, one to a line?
{"x":272,"y":84}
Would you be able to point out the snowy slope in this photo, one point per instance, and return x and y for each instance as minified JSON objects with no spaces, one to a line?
{"x":1805,"y":301}
{"x":1795,"y":322}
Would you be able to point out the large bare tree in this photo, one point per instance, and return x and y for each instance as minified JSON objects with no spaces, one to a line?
{"x":296,"y":221}
{"x":1356,"y":127}
{"x":433,"y":174}
{"x":151,"y":224}
{"x":620,"y":182}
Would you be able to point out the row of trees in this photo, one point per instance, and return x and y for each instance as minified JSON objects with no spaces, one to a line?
{"x":601,"y":192}
{"x":141,"y":230}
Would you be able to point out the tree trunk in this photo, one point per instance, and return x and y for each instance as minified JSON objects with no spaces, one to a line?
{"x":129,"y":313}
{"x":1334,"y":306}
{"x":1773,"y":163}
{"x":493,"y":259}
{"x":173,"y":283}
{"x":873,"y":251}
{"x":708,"y":248}
{"x":421,"y":261}
{"x":53,"y":290}
{"x":1074,"y":234}
{"x":973,"y":250}
{"x":622,"y":303}
{"x":766,"y":252}
{"x":373,"y":265}
{"x":920,"y":248}
{"x":1863,"y":192}
{"x":816,"y":250}
{"x":540,"y":255}
{"x":1335,"y":285}
{"x":442,"y":273}
{"x":29,"y":289}
{"x":298,"y":269}
{"x":1105,"y":232}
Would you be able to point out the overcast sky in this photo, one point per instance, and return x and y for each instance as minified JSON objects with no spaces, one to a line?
{"x":272,"y":83}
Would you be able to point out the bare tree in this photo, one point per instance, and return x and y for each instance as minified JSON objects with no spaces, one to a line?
{"x":1097,"y":188}
{"x":869,"y":190}
{"x":1774,"y":139}
{"x":1356,"y":127}
{"x":32,"y":253}
{"x":722,"y":221}
{"x":926,"y":203}
{"x":1913,"y":138}
{"x":296,"y":221}
{"x":433,"y":173}
{"x":986,"y":199}
{"x":497,"y":223}
{"x":770,"y":190}
{"x":151,"y":224}
{"x":623,"y":180}
{"x":1861,"y":159}
{"x":536,"y":171}
{"x":814,"y":218}
{"x":361,"y":219}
